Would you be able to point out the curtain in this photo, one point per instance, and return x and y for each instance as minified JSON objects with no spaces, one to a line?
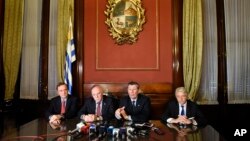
{"x":31,"y":49}
{"x":52,"y":69}
{"x":65,"y":11}
{"x":209,"y":78}
{"x":237,"y":26}
{"x":192,"y":45}
{"x":12,"y":44}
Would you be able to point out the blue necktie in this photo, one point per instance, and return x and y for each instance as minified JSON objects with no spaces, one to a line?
{"x":182,"y":110}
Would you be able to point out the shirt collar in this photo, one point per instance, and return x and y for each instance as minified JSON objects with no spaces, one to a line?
{"x":99,"y":102}
{"x":64,"y":99}
{"x":185,"y":104}
{"x":133,"y":99}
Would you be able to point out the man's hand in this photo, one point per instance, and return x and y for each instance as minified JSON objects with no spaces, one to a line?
{"x":121,"y":112}
{"x":182,"y":119}
{"x":55,"y":124}
{"x":55,"y":119}
{"x":90,"y":118}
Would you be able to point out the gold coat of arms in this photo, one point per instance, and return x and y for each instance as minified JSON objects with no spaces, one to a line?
{"x":124,"y":19}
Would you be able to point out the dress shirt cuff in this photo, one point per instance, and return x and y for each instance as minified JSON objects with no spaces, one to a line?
{"x":129,"y":118}
{"x":169,"y":120}
{"x":118,"y":116}
{"x":50,"y":117}
{"x":194,"y":122}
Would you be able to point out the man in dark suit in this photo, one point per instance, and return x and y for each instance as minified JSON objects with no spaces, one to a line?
{"x":98,"y":107}
{"x":183,"y":111}
{"x":63,"y":106}
{"x":134,"y":107}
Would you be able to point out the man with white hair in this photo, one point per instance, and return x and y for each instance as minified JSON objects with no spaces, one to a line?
{"x":183,"y":111}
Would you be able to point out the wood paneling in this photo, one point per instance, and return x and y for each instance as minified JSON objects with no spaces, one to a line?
{"x":43,"y":82}
{"x":159,"y":94}
{"x":177,"y":43}
{"x":222,"y":59}
{"x":78,"y":67}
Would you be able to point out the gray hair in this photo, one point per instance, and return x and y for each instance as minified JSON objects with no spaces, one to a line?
{"x":181,"y":89}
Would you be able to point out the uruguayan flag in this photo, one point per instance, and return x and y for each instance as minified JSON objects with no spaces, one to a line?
{"x":70,"y":58}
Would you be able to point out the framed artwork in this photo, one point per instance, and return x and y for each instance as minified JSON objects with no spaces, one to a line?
{"x":124,"y":19}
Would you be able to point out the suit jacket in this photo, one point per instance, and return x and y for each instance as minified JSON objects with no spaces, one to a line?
{"x":172,"y":111}
{"x":89,"y":107}
{"x":55,"y":107}
{"x":141,"y":112}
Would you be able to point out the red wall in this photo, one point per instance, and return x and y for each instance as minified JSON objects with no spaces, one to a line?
{"x":147,"y":60}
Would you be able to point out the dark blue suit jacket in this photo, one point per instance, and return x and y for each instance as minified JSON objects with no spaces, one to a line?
{"x":172,"y":111}
{"x":89,"y":107}
{"x":55,"y":107}
{"x":141,"y":112}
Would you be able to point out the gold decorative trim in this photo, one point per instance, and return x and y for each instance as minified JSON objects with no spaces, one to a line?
{"x":124,"y":19}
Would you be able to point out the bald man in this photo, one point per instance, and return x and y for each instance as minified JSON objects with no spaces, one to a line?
{"x":98,"y":107}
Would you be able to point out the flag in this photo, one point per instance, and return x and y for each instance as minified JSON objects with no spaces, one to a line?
{"x":69,"y":59}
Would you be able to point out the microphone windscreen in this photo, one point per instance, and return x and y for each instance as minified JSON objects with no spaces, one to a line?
{"x":123,"y":132}
{"x":102,"y":129}
{"x":110,"y":130}
{"x":92,"y":129}
{"x":116,"y":132}
{"x":85,"y":129}
{"x":130,"y":131}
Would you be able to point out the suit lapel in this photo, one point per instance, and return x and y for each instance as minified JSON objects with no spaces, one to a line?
{"x":188,"y":109}
{"x":177,"y":109}
{"x":104,"y":104}
{"x":93,"y":106}
{"x":67,"y":104}
{"x":58,"y":104}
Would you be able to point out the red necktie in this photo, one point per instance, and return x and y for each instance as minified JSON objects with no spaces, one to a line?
{"x":63,"y":107}
{"x":98,"y":109}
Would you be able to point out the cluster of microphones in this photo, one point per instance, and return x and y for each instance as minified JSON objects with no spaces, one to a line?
{"x":101,"y":130}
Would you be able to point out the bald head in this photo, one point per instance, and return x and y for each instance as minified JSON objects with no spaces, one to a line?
{"x":97,"y":93}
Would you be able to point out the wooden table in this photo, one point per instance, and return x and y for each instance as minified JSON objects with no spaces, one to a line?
{"x":40,"y":129}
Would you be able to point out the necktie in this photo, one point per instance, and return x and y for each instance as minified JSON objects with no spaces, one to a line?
{"x":182,"y":110}
{"x":98,"y":109}
{"x":63,"y":105}
{"x":133,"y":104}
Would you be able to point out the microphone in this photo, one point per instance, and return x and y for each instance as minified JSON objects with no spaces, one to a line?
{"x":123,"y":132}
{"x":115,"y":132}
{"x":78,"y":128}
{"x":130,"y":131}
{"x":102,"y":131}
{"x":110,"y":130}
{"x":92,"y":130}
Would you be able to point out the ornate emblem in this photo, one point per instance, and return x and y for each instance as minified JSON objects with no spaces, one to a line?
{"x":124,"y":19}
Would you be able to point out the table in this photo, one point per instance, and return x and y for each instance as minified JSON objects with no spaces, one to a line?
{"x":41,"y":130}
